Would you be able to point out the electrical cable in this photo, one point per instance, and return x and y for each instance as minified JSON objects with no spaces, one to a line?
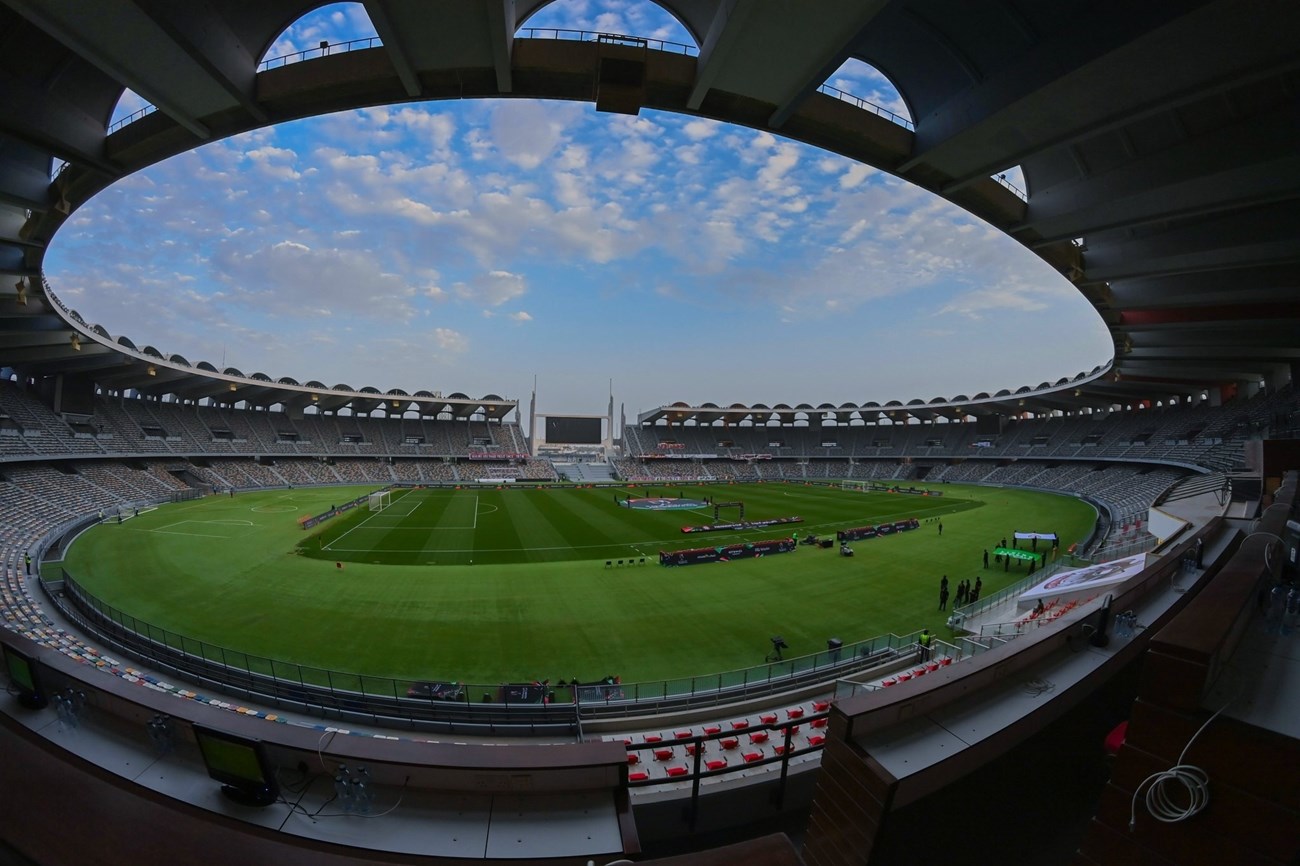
{"x":401,"y":796}
{"x":1194,"y":781}
{"x":1273,"y":535}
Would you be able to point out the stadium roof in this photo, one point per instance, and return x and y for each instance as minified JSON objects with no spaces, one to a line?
{"x":1157,"y":141}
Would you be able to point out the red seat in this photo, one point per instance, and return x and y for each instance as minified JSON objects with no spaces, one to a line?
{"x":627,"y":741}
{"x":758,"y":737}
{"x":794,"y":729}
{"x":633,"y":758}
{"x":904,"y":677}
{"x":663,"y":754}
{"x":945,"y":661}
{"x":794,"y":713}
{"x":653,"y":738}
{"x":932,"y":667}
{"x":818,"y":723}
{"x":779,"y":749}
{"x":816,"y":740}
{"x":713,"y":729}
{"x":889,"y":682}
{"x":690,"y":748}
{"x":682,"y":735}
{"x":677,"y":771}
{"x":751,"y":757}
{"x":918,"y":672}
{"x":716,"y":763}
{"x":821,"y":706}
{"x":638,"y":776}
{"x":740,"y":725}
{"x":730,"y":743}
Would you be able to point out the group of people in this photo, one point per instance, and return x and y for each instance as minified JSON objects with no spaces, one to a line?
{"x":966,"y":592}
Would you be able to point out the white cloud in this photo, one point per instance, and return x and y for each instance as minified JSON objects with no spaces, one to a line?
{"x":493,"y":288}
{"x":521,"y":316}
{"x":698,"y":130}
{"x":855,"y":175}
{"x":450,"y":340}
{"x":525,"y":132}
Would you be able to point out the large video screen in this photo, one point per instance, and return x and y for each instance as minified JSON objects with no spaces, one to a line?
{"x":563,"y":430}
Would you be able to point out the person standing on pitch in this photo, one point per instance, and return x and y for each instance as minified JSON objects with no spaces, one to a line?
{"x":943,"y":596}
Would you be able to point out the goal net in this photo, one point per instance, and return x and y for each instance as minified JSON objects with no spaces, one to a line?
{"x":859,"y":486}
{"x":381,"y":500}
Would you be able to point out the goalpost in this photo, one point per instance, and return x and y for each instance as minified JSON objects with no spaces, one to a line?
{"x":858,"y":486}
{"x":381,"y":500}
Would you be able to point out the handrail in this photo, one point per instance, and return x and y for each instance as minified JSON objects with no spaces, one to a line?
{"x":325,"y":49}
{"x":132,"y":117}
{"x":597,"y":36}
{"x":965,"y":612}
{"x":867,"y":105}
{"x":1001,"y":178}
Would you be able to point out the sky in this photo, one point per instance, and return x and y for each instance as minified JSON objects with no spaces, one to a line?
{"x":470,"y":246}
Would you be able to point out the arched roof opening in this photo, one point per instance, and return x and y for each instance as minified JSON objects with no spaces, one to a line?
{"x":335,"y":24}
{"x":858,"y":79}
{"x":642,"y":18}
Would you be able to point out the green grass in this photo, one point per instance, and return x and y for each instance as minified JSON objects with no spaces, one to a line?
{"x":487,"y":526}
{"x":537,"y":601}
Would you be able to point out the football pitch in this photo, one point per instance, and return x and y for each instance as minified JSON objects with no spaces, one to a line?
{"x":441,"y":526}
{"x":505,"y":585}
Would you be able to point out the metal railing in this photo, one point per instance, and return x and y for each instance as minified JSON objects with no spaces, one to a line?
{"x":1002,"y":179}
{"x":131,"y":118}
{"x":460,"y":705}
{"x":325,"y":49}
{"x":961,"y":614}
{"x":867,"y":105}
{"x":941,"y":651}
{"x":614,"y":38}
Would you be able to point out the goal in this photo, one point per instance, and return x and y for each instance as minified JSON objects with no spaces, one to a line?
{"x":859,"y":486}
{"x":381,"y":500}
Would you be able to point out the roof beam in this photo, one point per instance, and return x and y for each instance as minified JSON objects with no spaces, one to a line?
{"x":392,"y":39}
{"x":122,"y":40}
{"x":1182,"y":181}
{"x":1013,"y":115}
{"x":744,"y":37}
{"x":47,"y":125}
{"x":209,"y":42}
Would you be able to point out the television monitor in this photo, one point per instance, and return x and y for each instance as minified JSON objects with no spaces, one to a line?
{"x":240,"y":764}
{"x":25,"y":678}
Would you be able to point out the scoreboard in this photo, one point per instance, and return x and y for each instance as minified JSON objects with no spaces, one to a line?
{"x":565,"y":430}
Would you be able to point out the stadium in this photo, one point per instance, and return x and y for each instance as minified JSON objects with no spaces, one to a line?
{"x":243,"y":613}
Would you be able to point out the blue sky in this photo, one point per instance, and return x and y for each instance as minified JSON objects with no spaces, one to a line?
{"x":468,"y":246}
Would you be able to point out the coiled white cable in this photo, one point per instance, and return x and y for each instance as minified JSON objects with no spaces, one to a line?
{"x":1195,"y":782}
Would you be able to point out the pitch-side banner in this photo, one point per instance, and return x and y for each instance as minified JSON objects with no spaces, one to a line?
{"x":1041,"y":536}
{"x":1085,"y":581}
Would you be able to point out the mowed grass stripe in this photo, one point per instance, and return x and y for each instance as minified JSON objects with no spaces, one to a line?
{"x":529,"y":519}
{"x":493,"y":623}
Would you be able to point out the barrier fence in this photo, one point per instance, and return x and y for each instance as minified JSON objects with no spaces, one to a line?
{"x":454,"y":704}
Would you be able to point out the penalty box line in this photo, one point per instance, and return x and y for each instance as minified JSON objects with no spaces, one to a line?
{"x":363,"y":525}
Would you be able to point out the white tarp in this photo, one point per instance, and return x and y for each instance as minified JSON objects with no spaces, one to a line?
{"x":1083,"y":582}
